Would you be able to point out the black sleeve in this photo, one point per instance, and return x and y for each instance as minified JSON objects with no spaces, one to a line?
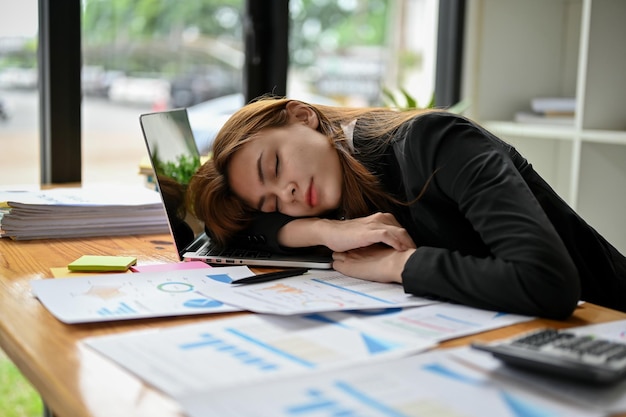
{"x":262,"y":234}
{"x":527,"y":269}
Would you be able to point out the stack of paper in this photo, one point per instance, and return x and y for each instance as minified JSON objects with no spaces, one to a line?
{"x":103,"y":210}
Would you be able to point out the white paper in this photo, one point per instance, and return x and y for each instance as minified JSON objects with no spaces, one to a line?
{"x":106,"y":297}
{"x":429,"y":385}
{"x":193,"y":359}
{"x":315,"y":291}
{"x":112,"y":196}
{"x":612,"y":330}
{"x":437,"y":322}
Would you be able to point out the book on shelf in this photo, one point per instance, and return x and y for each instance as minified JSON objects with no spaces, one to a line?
{"x":557,"y":111}
{"x":98,"y":210}
{"x":553,"y":105}
{"x":557,"y":119}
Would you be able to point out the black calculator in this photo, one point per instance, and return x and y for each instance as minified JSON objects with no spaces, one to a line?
{"x":563,"y":353}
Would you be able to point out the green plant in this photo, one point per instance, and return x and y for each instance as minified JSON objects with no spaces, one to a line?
{"x":409,"y":102}
{"x":393,"y":99}
{"x":17,"y":396}
{"x":180,"y":170}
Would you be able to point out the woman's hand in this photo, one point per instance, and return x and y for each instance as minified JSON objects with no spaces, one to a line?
{"x":374,"y":263}
{"x":343,"y":235}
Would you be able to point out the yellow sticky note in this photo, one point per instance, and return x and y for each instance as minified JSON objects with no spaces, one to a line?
{"x":64,"y":272}
{"x":102,"y":263}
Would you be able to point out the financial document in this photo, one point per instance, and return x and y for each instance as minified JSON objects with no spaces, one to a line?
{"x":105,"y":297}
{"x":430,"y":384}
{"x":190,"y":360}
{"x":315,"y":291}
{"x":436,"y":322}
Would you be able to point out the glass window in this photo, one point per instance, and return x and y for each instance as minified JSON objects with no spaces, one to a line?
{"x":144,"y":56}
{"x":357,"y":52}
{"x":349,"y":52}
{"x":19,"y":98}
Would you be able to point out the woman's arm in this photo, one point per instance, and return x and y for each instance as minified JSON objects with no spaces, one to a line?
{"x":519,"y":263}
{"x":343,"y":235}
{"x":280,"y":233}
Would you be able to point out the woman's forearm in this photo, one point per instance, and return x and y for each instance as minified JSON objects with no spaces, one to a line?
{"x":344,"y":235}
{"x":304,"y":232}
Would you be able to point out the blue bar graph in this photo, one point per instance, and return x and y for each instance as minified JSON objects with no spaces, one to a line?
{"x":121,"y":310}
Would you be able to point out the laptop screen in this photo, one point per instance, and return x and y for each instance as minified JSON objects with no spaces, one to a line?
{"x":174,"y":158}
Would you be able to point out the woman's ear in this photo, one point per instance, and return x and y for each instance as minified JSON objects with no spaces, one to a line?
{"x":300,"y":112}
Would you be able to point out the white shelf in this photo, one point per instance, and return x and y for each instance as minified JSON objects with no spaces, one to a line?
{"x":530,"y":130}
{"x":555,"y":132}
{"x":519,"y":50}
{"x":604,"y":136}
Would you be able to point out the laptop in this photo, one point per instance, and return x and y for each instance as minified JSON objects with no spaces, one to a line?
{"x":173,"y":155}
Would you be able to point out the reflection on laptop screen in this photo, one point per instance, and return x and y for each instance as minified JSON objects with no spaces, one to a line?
{"x":174,"y":158}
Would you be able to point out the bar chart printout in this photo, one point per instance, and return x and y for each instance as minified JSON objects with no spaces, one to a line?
{"x":430,"y":384}
{"x":199,"y":357}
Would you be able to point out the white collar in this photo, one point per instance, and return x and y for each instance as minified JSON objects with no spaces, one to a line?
{"x":348,"y":131}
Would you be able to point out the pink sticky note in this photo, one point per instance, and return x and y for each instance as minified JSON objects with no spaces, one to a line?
{"x":170,"y":267}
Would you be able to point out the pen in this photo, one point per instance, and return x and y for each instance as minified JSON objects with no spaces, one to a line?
{"x":270,"y":276}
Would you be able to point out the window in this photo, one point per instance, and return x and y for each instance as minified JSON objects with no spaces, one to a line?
{"x":357,"y":51}
{"x":19,"y":105}
{"x":140,"y":57}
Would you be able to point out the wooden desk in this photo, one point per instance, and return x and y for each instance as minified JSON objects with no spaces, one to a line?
{"x":75,"y":381}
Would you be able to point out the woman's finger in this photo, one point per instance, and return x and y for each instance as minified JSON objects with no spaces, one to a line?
{"x":396,"y":237}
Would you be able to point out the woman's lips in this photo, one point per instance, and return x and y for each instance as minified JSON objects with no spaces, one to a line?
{"x":311,"y":195}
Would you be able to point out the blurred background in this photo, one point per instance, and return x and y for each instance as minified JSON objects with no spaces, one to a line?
{"x":142,"y":55}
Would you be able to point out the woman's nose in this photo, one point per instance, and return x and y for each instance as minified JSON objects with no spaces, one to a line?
{"x":287,"y":193}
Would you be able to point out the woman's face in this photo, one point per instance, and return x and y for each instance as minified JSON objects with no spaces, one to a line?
{"x":293,"y":170}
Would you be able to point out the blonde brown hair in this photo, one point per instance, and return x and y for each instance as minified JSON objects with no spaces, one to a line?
{"x":225,"y":214}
